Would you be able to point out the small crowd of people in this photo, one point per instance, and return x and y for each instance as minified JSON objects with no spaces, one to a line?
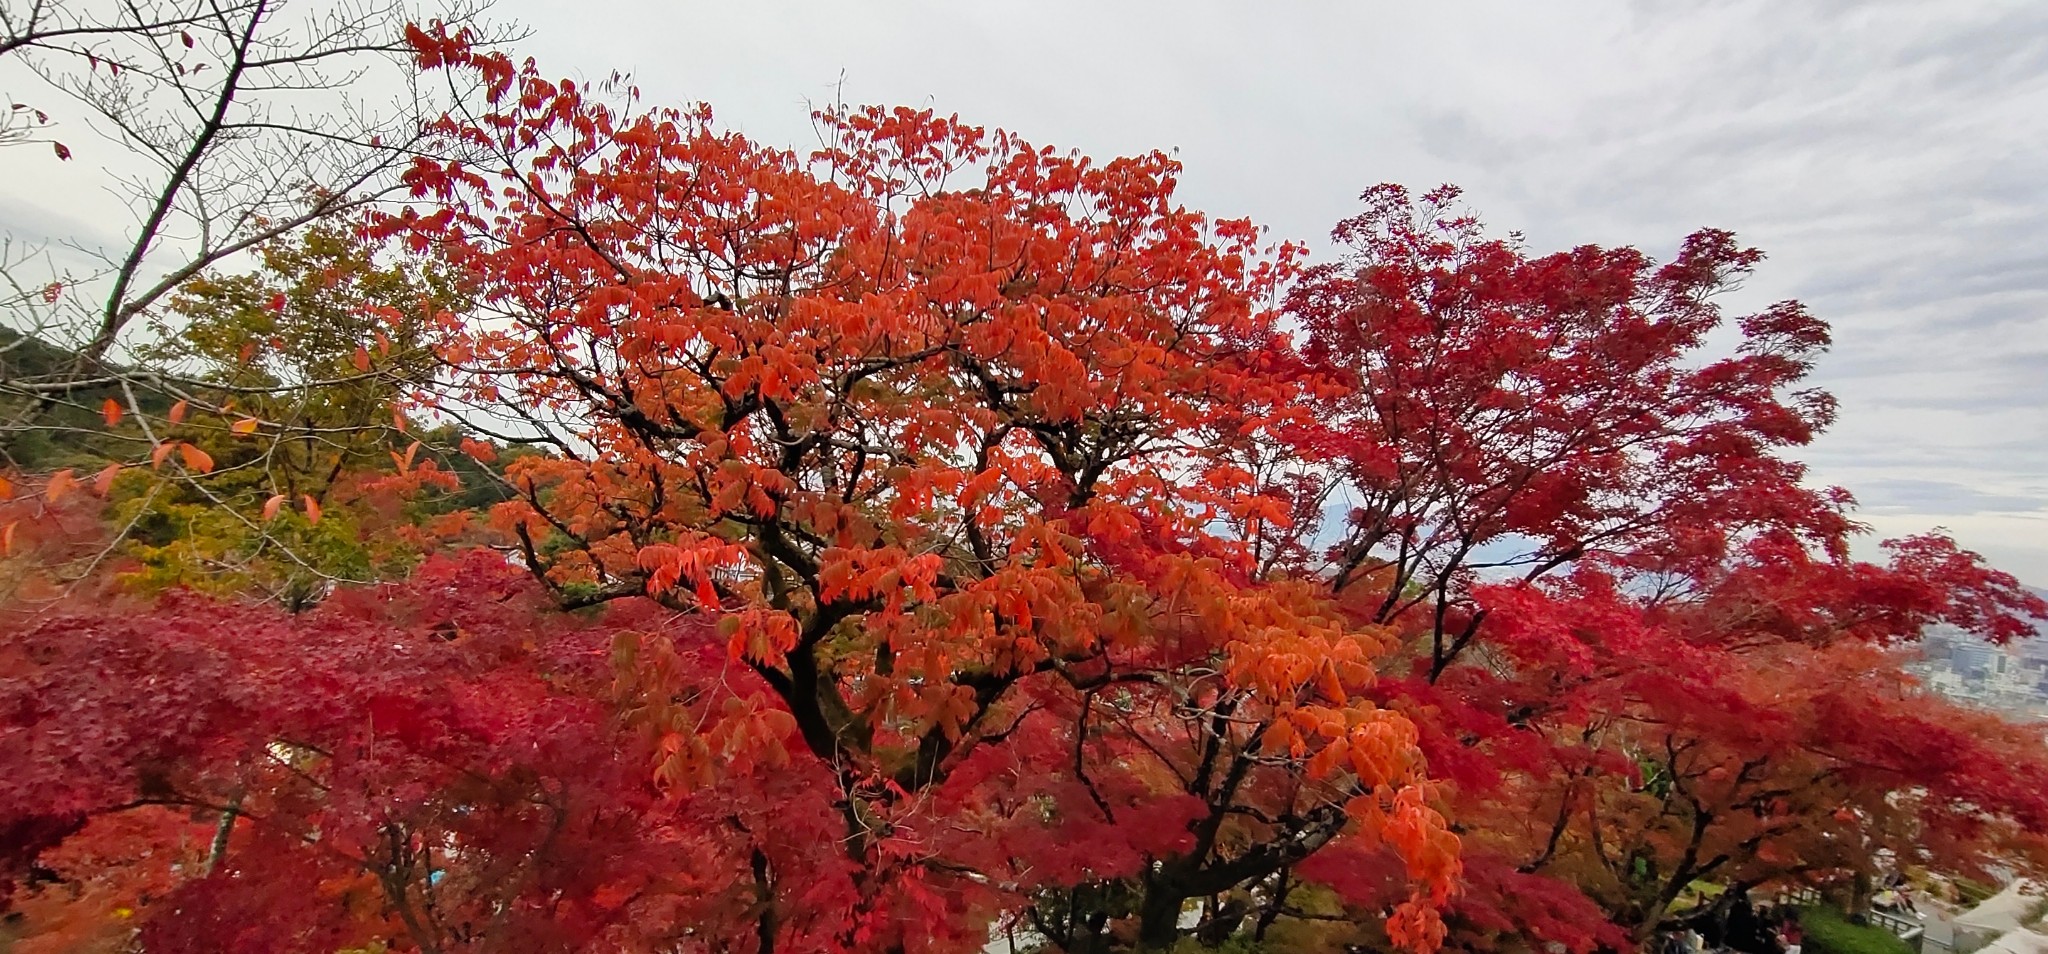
{"x":1736,"y":925}
{"x":1739,"y":927}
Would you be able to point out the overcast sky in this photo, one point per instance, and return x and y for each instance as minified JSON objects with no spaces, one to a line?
{"x":1892,"y":157}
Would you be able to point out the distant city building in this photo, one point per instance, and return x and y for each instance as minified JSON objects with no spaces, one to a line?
{"x":2011,"y":679}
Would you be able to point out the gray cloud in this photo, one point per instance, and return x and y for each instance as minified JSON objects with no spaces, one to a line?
{"x":1889,"y":154}
{"x":1941,"y":498}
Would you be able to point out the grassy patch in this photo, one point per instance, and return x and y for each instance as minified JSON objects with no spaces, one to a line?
{"x":1828,"y":931}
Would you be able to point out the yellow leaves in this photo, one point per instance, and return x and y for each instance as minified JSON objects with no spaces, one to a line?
{"x":111,"y":411}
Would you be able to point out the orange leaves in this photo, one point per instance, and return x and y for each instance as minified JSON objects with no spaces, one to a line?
{"x":111,"y":411}
{"x":272,"y":506}
{"x":177,"y":414}
{"x":244,"y":427}
{"x":764,"y":636}
{"x":668,"y":565}
{"x":312,"y":508}
{"x":195,"y":459}
{"x":59,"y":485}
{"x":480,"y":451}
{"x":859,"y":575}
{"x":404,"y":461}
{"x":361,"y":359}
{"x":738,"y":487}
{"x":962,"y":430}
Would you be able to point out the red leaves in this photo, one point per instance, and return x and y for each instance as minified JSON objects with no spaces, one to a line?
{"x":387,"y":727}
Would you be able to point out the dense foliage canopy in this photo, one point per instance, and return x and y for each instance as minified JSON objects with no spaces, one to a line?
{"x":646,"y":539}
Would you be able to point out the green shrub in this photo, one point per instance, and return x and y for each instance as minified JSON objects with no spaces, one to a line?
{"x":1828,"y":931}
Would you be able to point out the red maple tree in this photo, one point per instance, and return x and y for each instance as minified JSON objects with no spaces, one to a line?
{"x":939,"y":534}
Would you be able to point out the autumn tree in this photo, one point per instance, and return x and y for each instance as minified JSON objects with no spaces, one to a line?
{"x":226,"y":128}
{"x":282,"y":459}
{"x":937,"y":536}
{"x":938,"y":424}
{"x":1638,"y":651}
{"x":300,"y":372}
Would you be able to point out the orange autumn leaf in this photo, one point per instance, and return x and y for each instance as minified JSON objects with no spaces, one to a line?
{"x":111,"y":410}
{"x":244,"y":427}
{"x":104,"y":480}
{"x":163,"y":450}
{"x":59,"y":485}
{"x":272,"y":506}
{"x":362,"y":359}
{"x":404,"y":462}
{"x":196,"y":459}
{"x":312,"y":509}
{"x":177,"y":415}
